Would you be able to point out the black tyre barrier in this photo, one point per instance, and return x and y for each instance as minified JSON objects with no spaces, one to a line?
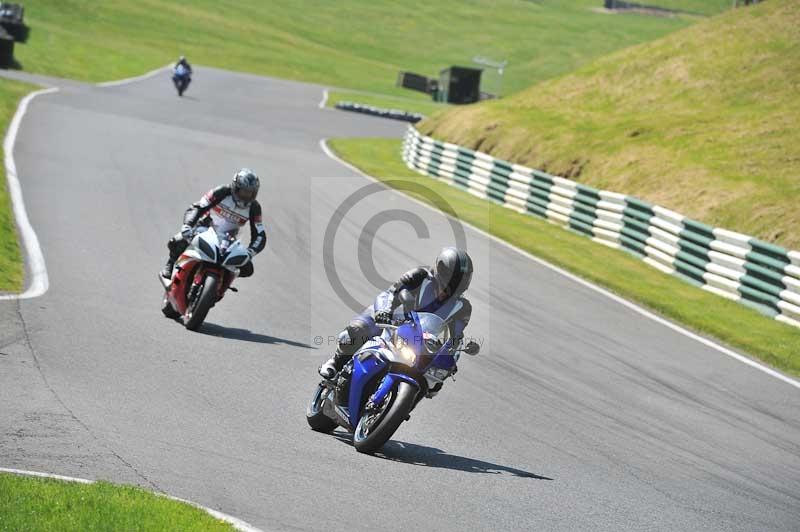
{"x":394,"y":114}
{"x":11,"y":20}
{"x":11,"y":11}
{"x":6,"y":49}
{"x":19,"y":32}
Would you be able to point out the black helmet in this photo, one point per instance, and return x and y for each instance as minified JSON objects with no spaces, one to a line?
{"x":453,"y":271}
{"x":244,"y":187}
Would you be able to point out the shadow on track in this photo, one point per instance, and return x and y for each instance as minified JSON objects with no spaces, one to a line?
{"x":421,"y":455}
{"x":245,"y":335}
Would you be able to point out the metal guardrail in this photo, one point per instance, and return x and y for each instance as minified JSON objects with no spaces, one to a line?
{"x":736,"y":266}
{"x":394,"y":114}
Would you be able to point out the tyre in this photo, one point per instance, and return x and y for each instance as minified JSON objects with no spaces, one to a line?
{"x":198,"y":309}
{"x":373,"y":430}
{"x":316,"y":419}
{"x":168,"y":310}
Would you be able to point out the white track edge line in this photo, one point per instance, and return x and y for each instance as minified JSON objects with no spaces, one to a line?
{"x":324,"y":99}
{"x":135,"y":78}
{"x":633,"y":306}
{"x":39,"y":281}
{"x":237,"y":523}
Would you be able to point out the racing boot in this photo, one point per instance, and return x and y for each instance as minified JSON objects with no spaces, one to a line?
{"x":176,"y":245}
{"x":333,"y":365}
{"x":166,"y":273}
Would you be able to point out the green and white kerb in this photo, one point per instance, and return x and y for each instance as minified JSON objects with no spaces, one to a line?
{"x":739,"y":267}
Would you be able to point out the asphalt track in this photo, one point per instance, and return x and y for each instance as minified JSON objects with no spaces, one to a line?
{"x":580,"y":414}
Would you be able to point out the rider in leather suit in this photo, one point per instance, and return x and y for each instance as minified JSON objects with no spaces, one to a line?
{"x":438,"y":290}
{"x":226,"y":208}
{"x":182,"y":61}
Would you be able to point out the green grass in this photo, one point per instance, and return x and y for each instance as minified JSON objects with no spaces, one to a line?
{"x":37,"y":504}
{"x":12,"y":271}
{"x":773,"y":342}
{"x":414,"y":105}
{"x":703,"y":121}
{"x":360,"y":44}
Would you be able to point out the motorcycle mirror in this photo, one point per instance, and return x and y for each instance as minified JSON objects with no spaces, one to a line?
{"x":472,"y":348}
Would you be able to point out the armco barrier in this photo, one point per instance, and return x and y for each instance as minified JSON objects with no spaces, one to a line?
{"x":394,"y":114}
{"x":736,"y":266}
{"x":6,"y":49}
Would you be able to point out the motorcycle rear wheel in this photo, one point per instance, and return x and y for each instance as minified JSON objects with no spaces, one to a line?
{"x":370,"y":439}
{"x":198,"y":309}
{"x":314,"y":416}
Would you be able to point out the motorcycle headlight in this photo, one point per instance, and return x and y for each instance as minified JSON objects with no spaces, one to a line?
{"x":237,"y":260}
{"x":406,"y":355}
{"x":401,"y":351}
{"x":206,"y":248}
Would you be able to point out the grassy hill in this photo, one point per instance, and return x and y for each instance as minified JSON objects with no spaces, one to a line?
{"x":704,"y":121}
{"x":359,"y":44}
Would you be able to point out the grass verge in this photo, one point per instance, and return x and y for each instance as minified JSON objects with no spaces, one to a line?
{"x":40,"y":504}
{"x":702,"y":121}
{"x":768,"y":340}
{"x":348,"y":43}
{"x":12,"y":270}
{"x":413,"y":105}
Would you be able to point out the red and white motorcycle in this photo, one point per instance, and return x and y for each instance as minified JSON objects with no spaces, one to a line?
{"x":202,"y":275}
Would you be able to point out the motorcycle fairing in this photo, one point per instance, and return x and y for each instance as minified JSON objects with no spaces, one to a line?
{"x":367,"y":365}
{"x":388,"y":382}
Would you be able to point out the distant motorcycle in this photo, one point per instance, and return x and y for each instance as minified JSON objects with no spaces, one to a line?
{"x":202,"y":275}
{"x":181,"y":77}
{"x":386,"y":379}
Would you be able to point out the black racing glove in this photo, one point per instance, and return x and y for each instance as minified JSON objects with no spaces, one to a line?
{"x":384,"y":317}
{"x":187,"y":232}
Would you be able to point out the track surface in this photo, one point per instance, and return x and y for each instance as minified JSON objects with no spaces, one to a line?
{"x":635,"y":426}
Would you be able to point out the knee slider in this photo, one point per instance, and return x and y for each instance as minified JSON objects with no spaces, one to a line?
{"x":346,"y":346}
{"x":359,"y":330}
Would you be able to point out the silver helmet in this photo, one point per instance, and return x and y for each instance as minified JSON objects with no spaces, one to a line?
{"x":244,"y":187}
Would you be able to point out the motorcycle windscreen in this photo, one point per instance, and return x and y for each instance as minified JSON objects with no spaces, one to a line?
{"x":427,"y":336}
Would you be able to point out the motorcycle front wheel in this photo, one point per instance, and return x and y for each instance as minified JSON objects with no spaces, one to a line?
{"x":316,"y":419}
{"x":375,"y":428}
{"x":198,"y":308}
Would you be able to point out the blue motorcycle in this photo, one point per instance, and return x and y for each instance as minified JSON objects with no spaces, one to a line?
{"x":383,"y":382}
{"x":181,"y":77}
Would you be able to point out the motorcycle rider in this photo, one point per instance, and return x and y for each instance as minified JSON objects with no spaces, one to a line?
{"x":437,"y":290}
{"x":182,"y":62}
{"x":226,"y":208}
